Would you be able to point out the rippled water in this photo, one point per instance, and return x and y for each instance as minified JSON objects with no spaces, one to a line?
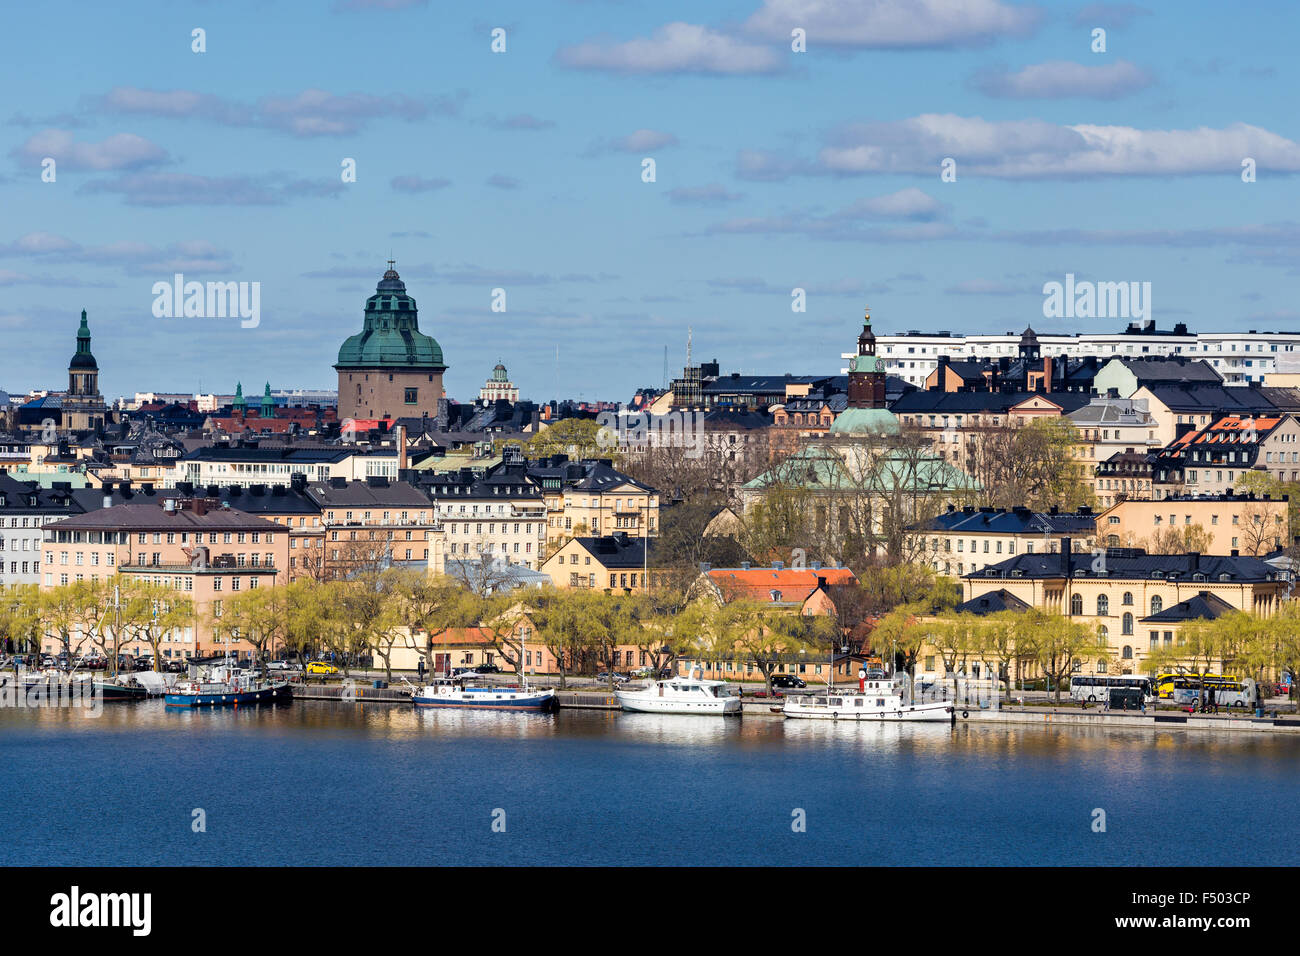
{"x":320,"y":783}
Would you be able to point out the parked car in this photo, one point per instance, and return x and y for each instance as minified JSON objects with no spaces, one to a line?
{"x":175,"y":666}
{"x":787,"y":681}
{"x":279,"y":666}
{"x":321,"y":667}
{"x":604,"y":676}
{"x":457,"y":672}
{"x":487,"y":669}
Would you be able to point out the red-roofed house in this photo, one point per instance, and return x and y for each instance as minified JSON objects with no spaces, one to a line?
{"x":805,"y":590}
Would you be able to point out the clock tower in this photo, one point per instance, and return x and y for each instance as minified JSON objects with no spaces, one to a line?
{"x":866,"y":371}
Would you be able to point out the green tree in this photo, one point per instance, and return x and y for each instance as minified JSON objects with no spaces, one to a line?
{"x":148,"y":613}
{"x":575,"y":437}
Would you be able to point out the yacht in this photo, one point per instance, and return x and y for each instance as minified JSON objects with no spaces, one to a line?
{"x":464,"y":693}
{"x":877,"y":700}
{"x":680,"y":695}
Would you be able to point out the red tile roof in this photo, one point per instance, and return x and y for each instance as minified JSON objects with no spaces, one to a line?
{"x":794,"y":585}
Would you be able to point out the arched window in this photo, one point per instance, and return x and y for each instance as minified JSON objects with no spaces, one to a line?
{"x":1101,"y":665}
{"x":1127,"y":653}
{"x":1157,"y":604}
{"x":1103,"y":632}
{"x":1076,"y":604}
{"x":1128,"y":623}
{"x":1103,"y":605}
{"x":1128,"y":598}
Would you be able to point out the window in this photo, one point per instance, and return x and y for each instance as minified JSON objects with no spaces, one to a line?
{"x":1128,"y":598}
{"x":1128,"y":623}
{"x":1076,"y":604}
{"x":1157,"y":604}
{"x":1103,"y":605}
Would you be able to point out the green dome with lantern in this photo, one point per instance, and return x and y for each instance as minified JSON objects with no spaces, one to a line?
{"x":391,"y":337}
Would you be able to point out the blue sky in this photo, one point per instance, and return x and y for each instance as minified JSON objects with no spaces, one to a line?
{"x":522,"y":170}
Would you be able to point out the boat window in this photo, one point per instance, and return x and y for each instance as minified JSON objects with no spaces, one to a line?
{"x":880,"y":702}
{"x":835,"y":702}
{"x":857,"y":702}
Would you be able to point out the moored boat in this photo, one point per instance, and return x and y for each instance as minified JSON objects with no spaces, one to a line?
{"x":466,"y":693}
{"x":680,"y":695}
{"x":235,"y":692}
{"x":876,"y":700}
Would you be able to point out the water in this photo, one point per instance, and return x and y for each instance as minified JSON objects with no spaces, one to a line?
{"x":317,"y":783}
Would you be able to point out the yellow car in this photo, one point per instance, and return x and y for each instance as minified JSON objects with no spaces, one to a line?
{"x":320,"y":667}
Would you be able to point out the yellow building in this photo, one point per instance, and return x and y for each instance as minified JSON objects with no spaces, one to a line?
{"x":1135,"y":601}
{"x":1241,"y":524}
{"x":614,"y":563}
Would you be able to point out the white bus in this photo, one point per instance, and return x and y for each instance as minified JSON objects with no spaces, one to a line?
{"x":1096,"y":688}
{"x":1227,"y":693}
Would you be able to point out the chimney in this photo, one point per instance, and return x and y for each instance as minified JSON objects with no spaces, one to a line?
{"x":108,"y":501}
{"x":1193,"y":560}
{"x":1066,"y":547}
{"x":169,"y":505}
{"x":1235,"y":553}
{"x":400,"y":434}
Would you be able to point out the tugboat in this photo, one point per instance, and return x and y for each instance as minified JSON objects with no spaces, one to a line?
{"x":462,"y":692}
{"x":226,"y":688}
{"x":876,"y":700}
{"x":680,"y":695}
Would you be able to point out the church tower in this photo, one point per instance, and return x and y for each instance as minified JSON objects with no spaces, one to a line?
{"x":83,"y":406}
{"x":866,"y":371}
{"x":390,"y":369}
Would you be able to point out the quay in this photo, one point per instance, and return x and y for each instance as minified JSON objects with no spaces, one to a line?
{"x":1155,"y":720}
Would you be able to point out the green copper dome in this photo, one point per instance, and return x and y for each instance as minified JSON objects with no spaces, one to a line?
{"x":391,"y":337}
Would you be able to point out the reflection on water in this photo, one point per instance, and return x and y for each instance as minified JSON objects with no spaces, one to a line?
{"x":323,"y":783}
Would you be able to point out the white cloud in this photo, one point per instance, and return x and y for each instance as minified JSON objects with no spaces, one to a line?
{"x":709,"y":194}
{"x":311,"y":112}
{"x":119,"y":151}
{"x":1017,"y":149}
{"x":893,"y":24}
{"x":674,"y":48}
{"x":1061,"y":78}
{"x":640,"y":141}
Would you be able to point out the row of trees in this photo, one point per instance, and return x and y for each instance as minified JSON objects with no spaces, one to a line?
{"x":110,"y":615}
{"x":1018,"y":643}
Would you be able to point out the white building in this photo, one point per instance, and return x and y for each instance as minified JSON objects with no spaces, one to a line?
{"x":1240,"y":357}
{"x":498,"y":387}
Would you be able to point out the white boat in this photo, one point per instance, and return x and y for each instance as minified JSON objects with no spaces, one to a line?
{"x":462,"y":693}
{"x":680,"y":695}
{"x":879,"y":700}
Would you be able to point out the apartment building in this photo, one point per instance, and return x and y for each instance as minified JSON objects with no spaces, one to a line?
{"x":252,"y":464}
{"x":1239,"y":357}
{"x":961,"y":540}
{"x":371,"y":525}
{"x":1110,"y":426}
{"x":193,"y":545}
{"x":25,"y":508}
{"x":592,"y":498}
{"x":1236,"y":523}
{"x":1212,"y":459}
{"x":499,"y":513}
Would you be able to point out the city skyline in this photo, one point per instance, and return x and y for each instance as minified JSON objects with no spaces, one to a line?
{"x":522,"y":170}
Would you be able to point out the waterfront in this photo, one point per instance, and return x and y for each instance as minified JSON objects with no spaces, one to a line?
{"x":317,"y":783}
